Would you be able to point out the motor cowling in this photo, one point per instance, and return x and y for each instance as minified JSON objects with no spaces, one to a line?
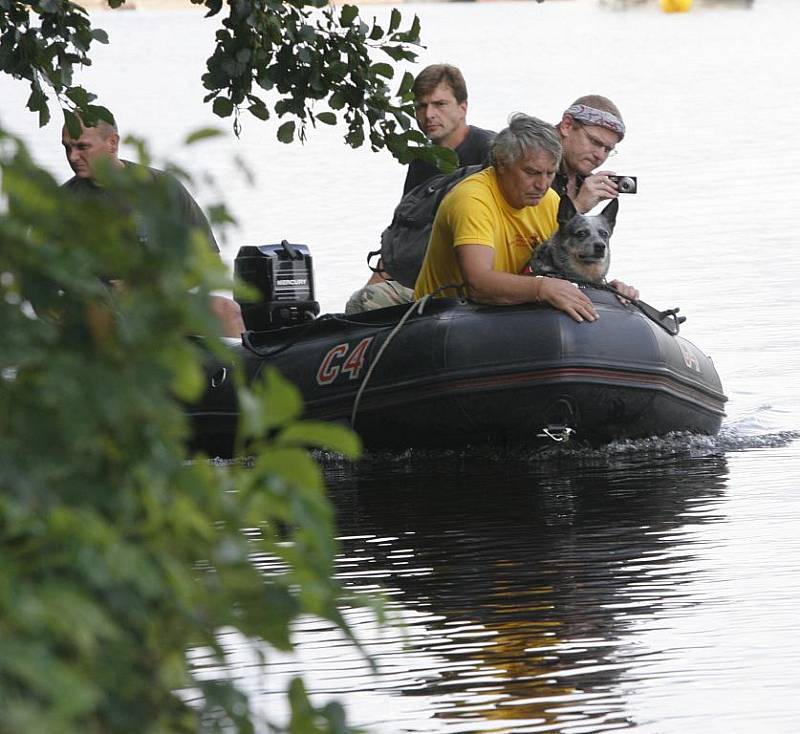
{"x":282,"y":277}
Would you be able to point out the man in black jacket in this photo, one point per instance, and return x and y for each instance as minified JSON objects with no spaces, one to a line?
{"x":101,"y":142}
{"x":440,"y":106}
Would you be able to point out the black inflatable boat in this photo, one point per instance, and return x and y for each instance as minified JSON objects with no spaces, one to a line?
{"x":449,"y":373}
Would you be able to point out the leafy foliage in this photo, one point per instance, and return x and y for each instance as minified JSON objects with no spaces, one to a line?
{"x":304,"y":60}
{"x":119,"y":556}
{"x":42,"y":43}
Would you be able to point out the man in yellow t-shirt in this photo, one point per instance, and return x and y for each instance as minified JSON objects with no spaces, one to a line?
{"x":487,"y":227}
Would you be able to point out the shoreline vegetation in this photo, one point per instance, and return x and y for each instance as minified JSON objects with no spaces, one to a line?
{"x":175,"y":5}
{"x":156,"y":5}
{"x":180,"y":5}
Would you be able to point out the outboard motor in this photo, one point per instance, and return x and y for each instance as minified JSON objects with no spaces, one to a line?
{"x":284,"y":278}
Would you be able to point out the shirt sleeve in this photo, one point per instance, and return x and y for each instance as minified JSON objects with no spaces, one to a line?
{"x":470,"y":220}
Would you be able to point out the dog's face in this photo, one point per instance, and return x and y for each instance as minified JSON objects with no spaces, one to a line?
{"x":580,"y":247}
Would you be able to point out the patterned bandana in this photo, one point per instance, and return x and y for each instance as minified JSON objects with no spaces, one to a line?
{"x":592,"y":116}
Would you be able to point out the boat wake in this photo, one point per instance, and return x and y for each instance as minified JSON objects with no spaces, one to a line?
{"x":616,"y":454}
{"x":624,"y":452}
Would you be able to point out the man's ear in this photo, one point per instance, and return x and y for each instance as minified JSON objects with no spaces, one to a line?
{"x":113,"y":143}
{"x":567,"y":123}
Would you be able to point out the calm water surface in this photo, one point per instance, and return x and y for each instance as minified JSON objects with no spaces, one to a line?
{"x":650,"y":586}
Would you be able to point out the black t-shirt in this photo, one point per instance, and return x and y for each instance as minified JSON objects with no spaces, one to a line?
{"x":187,"y":208}
{"x":559,"y":184}
{"x":474,"y":149}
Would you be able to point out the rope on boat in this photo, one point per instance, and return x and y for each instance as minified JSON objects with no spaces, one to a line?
{"x":667,"y":319}
{"x":418,"y":307}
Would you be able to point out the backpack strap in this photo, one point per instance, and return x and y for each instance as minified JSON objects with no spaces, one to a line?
{"x":378,"y":268}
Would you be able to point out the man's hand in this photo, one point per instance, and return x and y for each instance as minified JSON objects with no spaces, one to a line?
{"x":596,"y":188}
{"x":229,"y":315}
{"x":625,"y":292}
{"x":487,"y":285}
{"x":566,"y":297}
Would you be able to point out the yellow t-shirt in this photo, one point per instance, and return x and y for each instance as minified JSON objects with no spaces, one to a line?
{"x":476,"y":213}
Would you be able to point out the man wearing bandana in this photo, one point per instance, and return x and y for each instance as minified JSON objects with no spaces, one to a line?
{"x":590,"y":129}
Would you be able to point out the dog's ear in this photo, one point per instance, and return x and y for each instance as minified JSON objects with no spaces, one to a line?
{"x":566,"y":210}
{"x":609,"y":213}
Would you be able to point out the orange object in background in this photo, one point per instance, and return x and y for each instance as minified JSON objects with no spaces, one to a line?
{"x":675,"y":6}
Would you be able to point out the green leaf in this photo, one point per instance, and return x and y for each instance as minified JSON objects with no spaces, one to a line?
{"x":73,"y":124}
{"x":399,"y":53}
{"x":202,"y":134}
{"x":265,"y":80}
{"x":328,"y":118}
{"x":381,"y":69}
{"x":99,"y":35}
{"x":446,"y":159}
{"x":328,"y":436}
{"x":348,"y":15}
{"x":302,"y":718}
{"x":293,"y":466}
{"x":286,"y":132}
{"x":259,"y":110}
{"x":222,"y":107}
{"x":406,"y":85}
{"x":272,"y":402}
{"x":355,"y":137}
{"x":214,"y":6}
{"x":394,"y":21}
{"x":37,"y":100}
{"x":44,"y":115}
{"x":336,"y":101}
{"x":79,"y":96}
{"x":94,"y":113}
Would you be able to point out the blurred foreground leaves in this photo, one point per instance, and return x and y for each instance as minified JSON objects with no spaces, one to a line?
{"x":119,"y":556}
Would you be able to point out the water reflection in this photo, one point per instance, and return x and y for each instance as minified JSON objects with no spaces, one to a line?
{"x":521,"y":578}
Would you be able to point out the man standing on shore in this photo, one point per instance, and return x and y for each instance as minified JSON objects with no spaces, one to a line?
{"x":101,"y":142}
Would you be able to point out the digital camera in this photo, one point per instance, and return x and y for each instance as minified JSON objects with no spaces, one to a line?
{"x":625,"y":184}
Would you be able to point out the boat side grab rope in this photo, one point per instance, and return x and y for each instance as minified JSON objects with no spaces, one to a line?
{"x":667,"y":319}
{"x":417,"y":307}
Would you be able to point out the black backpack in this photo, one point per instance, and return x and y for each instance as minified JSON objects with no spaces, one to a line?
{"x":404,"y":241}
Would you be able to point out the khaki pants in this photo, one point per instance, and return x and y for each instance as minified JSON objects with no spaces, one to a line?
{"x":378,"y":295}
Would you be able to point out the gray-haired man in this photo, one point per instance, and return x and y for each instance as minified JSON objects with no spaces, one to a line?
{"x":487,"y":227}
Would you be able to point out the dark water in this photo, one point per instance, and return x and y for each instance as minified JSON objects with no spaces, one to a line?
{"x":575,"y":590}
{"x":646,"y":585}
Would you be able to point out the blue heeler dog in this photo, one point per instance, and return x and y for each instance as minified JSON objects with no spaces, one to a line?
{"x":579,"y":250}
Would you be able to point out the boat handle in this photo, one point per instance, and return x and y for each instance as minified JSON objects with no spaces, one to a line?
{"x":559,"y":434}
{"x":219,"y":377}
